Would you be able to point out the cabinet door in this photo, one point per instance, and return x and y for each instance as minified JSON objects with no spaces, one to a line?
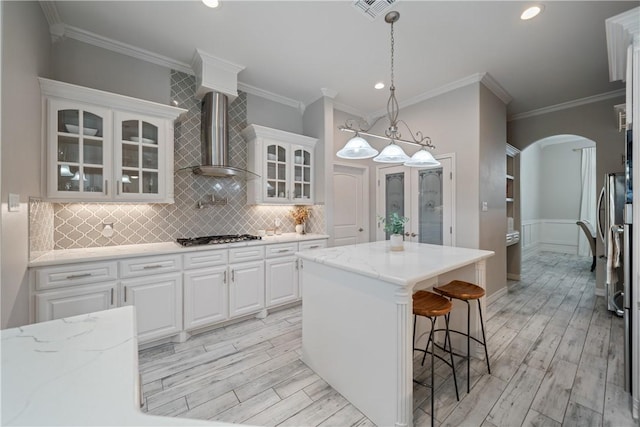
{"x":140,"y":157}
{"x":78,"y":300}
{"x":205,"y":297}
{"x":302,"y":175}
{"x":246,"y":288}
{"x":281,"y":280}
{"x":276,"y":177}
{"x":158,"y":302}
{"x":79,"y":151}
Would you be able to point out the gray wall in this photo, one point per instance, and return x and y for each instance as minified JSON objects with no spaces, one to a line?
{"x":91,"y":66}
{"x":530,"y":166}
{"x":26,"y":53}
{"x":261,"y":111}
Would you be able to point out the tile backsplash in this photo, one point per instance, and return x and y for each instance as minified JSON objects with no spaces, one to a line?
{"x":79,"y":225}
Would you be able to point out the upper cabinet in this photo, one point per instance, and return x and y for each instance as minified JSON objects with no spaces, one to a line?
{"x":106,"y":147}
{"x":285,"y":163}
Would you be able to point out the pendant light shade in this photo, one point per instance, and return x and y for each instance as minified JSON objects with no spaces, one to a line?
{"x":357,"y":148}
{"x":422,"y":158}
{"x":392,"y":153}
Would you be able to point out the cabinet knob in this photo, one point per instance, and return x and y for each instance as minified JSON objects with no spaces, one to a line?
{"x":361,"y":229}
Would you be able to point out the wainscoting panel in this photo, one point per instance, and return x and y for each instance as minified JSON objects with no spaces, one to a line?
{"x":553,"y":235}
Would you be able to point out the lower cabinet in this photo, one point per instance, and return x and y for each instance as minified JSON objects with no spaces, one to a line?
{"x":75,"y":301}
{"x":281,"y":280}
{"x":205,"y":297}
{"x":158,"y":302}
{"x":246,"y":288}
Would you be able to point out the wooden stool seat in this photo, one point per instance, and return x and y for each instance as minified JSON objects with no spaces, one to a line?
{"x":428,"y":304}
{"x":460,"y":290}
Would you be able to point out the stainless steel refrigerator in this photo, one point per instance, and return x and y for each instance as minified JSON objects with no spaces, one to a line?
{"x":615,"y":218}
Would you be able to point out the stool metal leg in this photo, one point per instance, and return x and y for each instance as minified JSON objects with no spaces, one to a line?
{"x":484,"y":339}
{"x":453,"y":365}
{"x":429,"y":340}
{"x":433,"y":362}
{"x":468,"y":346}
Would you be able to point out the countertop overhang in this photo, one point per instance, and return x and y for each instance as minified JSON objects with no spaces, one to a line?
{"x":417,"y":262}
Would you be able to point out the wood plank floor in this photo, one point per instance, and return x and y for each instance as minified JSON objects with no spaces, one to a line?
{"x":555,"y":353}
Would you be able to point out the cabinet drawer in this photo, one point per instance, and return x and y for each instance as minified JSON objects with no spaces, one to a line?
{"x":136,"y":267}
{"x":313,"y":244}
{"x":202,"y":259}
{"x":251,"y":253}
{"x":281,"y":249}
{"x":75,"y":274}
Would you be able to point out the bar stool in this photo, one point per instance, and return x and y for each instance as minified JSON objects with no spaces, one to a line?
{"x":431,"y":306}
{"x":465,"y":291}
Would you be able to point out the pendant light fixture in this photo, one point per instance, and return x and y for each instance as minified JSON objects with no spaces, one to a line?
{"x":358,"y":148}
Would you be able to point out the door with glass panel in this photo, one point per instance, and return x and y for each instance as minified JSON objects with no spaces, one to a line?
{"x":302,"y":174}
{"x":138,"y":157}
{"x":79,"y":138}
{"x":277,"y":172}
{"x":425,"y":196}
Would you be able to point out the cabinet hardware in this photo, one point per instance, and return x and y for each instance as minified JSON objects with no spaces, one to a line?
{"x":301,"y":265}
{"x":106,"y":187}
{"x":118,"y":187}
{"x":361,"y":229}
{"x":314,"y":246}
{"x":288,"y":194}
{"x":78,"y":276}
{"x":125,"y":294}
{"x":224,"y":278}
{"x":149,"y":267}
{"x":297,"y":267}
{"x":111,"y":296}
{"x":283,"y":250}
{"x":233,"y":275}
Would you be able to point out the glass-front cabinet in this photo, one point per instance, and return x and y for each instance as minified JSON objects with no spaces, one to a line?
{"x":138,"y":156}
{"x":106,"y":147}
{"x":81,"y":137}
{"x":284,"y":162}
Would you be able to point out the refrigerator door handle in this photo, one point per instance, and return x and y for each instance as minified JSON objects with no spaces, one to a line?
{"x":626,"y":256}
{"x":600,"y":200}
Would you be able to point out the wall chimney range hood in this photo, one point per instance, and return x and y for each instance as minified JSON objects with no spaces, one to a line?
{"x":216,"y":80}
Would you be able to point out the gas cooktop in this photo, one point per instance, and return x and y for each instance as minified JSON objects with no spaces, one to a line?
{"x":217,"y":240}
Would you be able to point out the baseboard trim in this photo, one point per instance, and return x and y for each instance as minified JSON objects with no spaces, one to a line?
{"x":599,"y":292}
{"x":513,"y":276}
{"x":496,"y":295}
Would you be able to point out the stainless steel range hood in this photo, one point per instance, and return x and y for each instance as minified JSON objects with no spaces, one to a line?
{"x":215,"y":139}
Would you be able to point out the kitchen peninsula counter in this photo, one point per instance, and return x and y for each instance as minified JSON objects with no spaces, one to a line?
{"x":357,"y":317}
{"x":77,"y":371}
{"x":68,"y":256}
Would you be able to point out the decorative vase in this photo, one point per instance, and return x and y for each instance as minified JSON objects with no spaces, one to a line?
{"x":300,"y":228}
{"x":397,"y":243}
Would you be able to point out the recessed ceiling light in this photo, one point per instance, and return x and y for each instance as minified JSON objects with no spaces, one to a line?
{"x":379,"y":85}
{"x":211,"y":3}
{"x":531,"y":12}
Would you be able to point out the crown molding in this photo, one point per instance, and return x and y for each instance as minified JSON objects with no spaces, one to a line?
{"x":493,"y":85}
{"x":56,"y":26}
{"x":621,"y":30}
{"x":568,"y":104}
{"x":329,"y":93}
{"x":272,"y":96}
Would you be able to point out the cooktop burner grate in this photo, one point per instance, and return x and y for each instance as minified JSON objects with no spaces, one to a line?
{"x":217,"y":240}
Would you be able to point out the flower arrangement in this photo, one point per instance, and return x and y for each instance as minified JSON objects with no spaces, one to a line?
{"x":300,"y":214}
{"x":394,"y":224}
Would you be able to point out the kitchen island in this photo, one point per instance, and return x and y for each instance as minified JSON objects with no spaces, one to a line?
{"x":357,"y":317}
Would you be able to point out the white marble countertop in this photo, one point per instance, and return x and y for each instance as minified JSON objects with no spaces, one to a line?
{"x":67,"y":256}
{"x":78,"y":371}
{"x":417,"y":262}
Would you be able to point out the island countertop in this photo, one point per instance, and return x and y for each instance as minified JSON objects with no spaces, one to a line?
{"x":417,"y":262}
{"x":78,"y":371}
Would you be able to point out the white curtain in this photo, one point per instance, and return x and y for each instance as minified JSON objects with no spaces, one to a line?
{"x":588,"y":198}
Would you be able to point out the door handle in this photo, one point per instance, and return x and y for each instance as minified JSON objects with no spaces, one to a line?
{"x":224,"y":278}
{"x":361,"y":229}
{"x":600,"y":199}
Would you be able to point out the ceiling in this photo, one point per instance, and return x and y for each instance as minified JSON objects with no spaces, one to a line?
{"x":296,"y":48}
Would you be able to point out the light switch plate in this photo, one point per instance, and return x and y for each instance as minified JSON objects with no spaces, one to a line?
{"x":485,"y":207}
{"x":14,"y":202}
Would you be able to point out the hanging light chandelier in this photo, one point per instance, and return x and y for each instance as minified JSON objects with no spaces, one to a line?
{"x":358,"y":148}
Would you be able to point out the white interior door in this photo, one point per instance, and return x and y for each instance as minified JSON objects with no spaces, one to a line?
{"x":350,"y":199}
{"x":425,"y":195}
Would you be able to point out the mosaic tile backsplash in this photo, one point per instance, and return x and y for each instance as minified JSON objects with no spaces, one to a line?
{"x":79,"y":225}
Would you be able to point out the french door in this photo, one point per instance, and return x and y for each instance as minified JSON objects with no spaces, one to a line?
{"x":425,"y":195}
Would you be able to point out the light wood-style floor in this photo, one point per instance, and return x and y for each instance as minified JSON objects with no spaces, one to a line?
{"x":555,"y":353}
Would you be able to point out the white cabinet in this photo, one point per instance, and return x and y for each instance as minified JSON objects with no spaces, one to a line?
{"x":205,"y":297}
{"x":246,"y":288}
{"x":285,"y":163}
{"x":158,"y":302}
{"x":106,"y":147}
{"x":281,"y":281}
{"x":75,"y":301}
